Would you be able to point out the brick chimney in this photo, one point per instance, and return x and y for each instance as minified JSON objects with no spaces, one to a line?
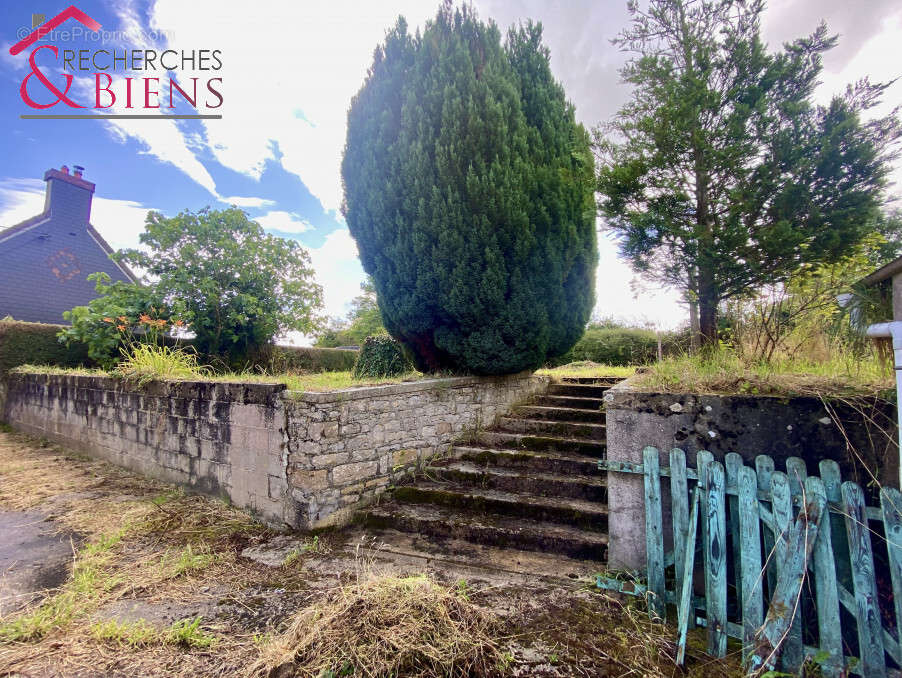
{"x":68,"y":195}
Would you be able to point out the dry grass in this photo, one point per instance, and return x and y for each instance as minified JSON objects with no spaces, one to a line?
{"x":724,"y":372}
{"x":387,"y":626}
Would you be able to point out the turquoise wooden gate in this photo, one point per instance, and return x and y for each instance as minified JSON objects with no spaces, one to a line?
{"x":787,"y":560}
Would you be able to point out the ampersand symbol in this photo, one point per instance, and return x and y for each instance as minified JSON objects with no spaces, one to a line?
{"x":35,"y":70}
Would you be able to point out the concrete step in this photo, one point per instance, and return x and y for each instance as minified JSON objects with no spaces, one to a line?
{"x":456,"y":559}
{"x":523,"y":481}
{"x":538,"y":461}
{"x":442,"y":522}
{"x":489,"y":503}
{"x":578,"y":390}
{"x":595,"y":449}
{"x":546,"y":413}
{"x":576,"y":402}
{"x":562,"y":429}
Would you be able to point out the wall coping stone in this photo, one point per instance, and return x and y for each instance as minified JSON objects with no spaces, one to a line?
{"x":360,"y":392}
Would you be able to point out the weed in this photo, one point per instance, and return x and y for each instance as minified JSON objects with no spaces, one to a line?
{"x":6,"y":428}
{"x":132,"y":634}
{"x":187,"y":633}
{"x":188,"y":560}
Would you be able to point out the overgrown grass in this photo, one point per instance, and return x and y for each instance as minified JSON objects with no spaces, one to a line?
{"x":724,"y":372}
{"x":586,"y":368}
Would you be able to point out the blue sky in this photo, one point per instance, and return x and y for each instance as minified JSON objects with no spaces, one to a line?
{"x":289,"y":71}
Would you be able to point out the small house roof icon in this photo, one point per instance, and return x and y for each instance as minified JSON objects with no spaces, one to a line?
{"x":71,"y":12}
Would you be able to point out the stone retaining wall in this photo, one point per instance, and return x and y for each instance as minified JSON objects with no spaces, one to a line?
{"x":306,"y":460}
{"x":779,"y":427}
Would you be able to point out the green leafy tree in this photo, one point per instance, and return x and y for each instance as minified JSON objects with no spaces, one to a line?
{"x":108,"y":321}
{"x":720,"y":174}
{"x":469,"y":191}
{"x":239,"y":286}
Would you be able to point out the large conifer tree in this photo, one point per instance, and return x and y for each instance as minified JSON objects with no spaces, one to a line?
{"x":468,"y":188}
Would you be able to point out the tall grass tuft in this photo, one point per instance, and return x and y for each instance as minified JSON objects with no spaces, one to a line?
{"x":149,"y":362}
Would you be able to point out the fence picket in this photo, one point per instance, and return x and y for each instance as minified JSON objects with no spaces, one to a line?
{"x":654,"y":533}
{"x":750,"y":548}
{"x":829,"y":471}
{"x":870,"y":628}
{"x":796,"y":473}
{"x":783,"y":518}
{"x":703,"y":459}
{"x":828,"y":619}
{"x":685,"y":608}
{"x":716,"y":570}
{"x":891,"y":502}
{"x":764,"y":468}
{"x":679,"y":493}
{"x":732,"y":464}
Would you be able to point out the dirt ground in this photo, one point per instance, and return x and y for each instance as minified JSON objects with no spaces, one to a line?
{"x":106,"y":573}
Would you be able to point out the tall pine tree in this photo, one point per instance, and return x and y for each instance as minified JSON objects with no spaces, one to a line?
{"x":469,"y":191}
{"x":721,"y":174}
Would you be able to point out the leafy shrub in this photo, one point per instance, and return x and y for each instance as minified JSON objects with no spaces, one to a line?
{"x":381,"y":356}
{"x":621,"y":346}
{"x":24,"y":343}
{"x":107,"y":322}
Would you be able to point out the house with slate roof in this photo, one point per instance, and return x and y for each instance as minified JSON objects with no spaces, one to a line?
{"x":45,"y":260}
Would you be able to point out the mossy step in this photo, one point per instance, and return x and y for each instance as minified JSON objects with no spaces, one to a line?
{"x":547,"y":413}
{"x":595,"y":449}
{"x":576,"y":402}
{"x":518,"y":533}
{"x":522,"y":481}
{"x":579,"y":390}
{"x":490,"y":502}
{"x":565,"y":429}
{"x":539,"y":461}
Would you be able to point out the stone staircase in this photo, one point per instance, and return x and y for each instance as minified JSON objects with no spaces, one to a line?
{"x":531,"y":483}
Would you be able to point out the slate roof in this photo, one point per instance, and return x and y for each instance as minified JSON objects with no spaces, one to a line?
{"x":45,"y":260}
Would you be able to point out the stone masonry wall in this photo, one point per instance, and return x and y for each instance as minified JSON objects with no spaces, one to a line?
{"x":305,"y":460}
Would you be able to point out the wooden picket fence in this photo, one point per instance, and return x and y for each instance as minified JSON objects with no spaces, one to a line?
{"x":788,"y":562}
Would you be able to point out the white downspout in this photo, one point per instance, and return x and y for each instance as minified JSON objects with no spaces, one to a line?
{"x":893,"y":330}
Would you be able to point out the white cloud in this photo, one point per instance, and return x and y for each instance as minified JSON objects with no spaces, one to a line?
{"x":247,"y":201}
{"x":286,"y":222}
{"x":338,"y":270}
{"x":293,"y":90}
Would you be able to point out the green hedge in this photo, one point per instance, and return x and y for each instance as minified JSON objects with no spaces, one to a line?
{"x":24,"y":343}
{"x":614,"y":346}
{"x":380,"y":357}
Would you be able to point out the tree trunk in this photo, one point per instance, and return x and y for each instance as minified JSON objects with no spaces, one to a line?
{"x":694,"y":330}
{"x":707,"y":319}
